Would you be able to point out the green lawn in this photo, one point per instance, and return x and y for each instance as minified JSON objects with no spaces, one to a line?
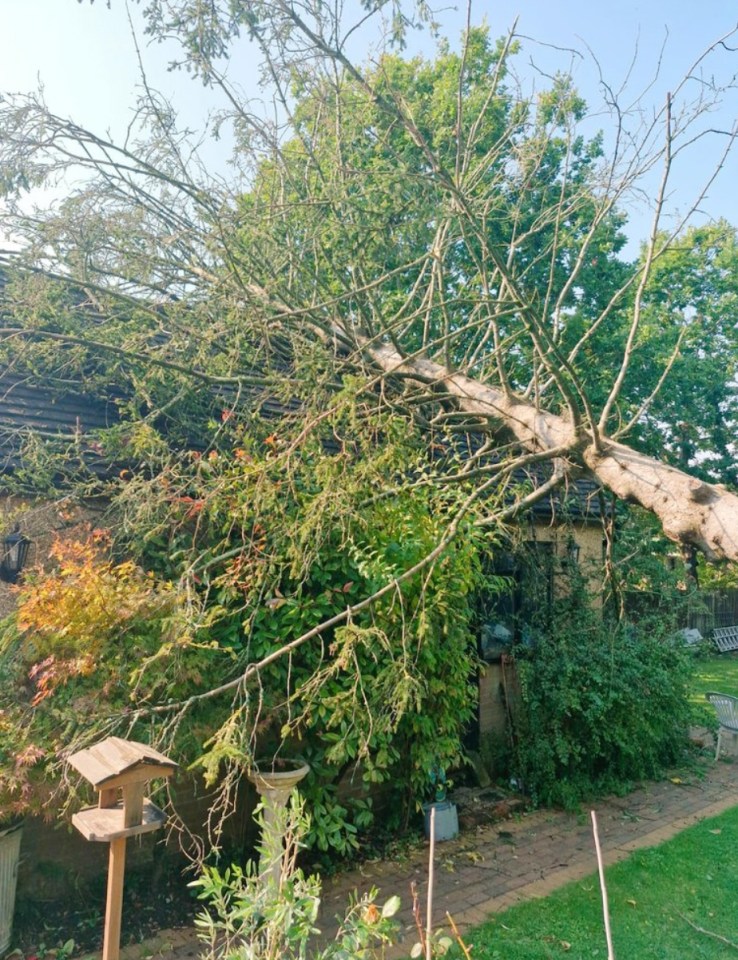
{"x":695,"y":875}
{"x":716,"y":672}
{"x":719,"y":672}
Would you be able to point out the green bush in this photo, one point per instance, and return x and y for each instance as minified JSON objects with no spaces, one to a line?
{"x":602,"y":705}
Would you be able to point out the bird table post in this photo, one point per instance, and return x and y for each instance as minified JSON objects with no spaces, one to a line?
{"x":119,"y":770}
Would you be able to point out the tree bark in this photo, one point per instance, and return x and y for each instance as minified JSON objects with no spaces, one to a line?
{"x":690,"y":510}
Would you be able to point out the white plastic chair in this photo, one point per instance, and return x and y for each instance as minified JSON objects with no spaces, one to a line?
{"x":726,"y":708}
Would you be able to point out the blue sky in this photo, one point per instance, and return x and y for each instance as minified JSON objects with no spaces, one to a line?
{"x":84,"y":55}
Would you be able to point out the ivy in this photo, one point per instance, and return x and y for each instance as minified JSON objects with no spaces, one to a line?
{"x":218,"y":560}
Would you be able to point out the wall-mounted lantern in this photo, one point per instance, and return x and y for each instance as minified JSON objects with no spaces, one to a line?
{"x":570,"y":559}
{"x":14,"y":555}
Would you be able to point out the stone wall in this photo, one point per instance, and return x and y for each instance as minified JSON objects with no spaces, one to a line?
{"x":588,"y":537}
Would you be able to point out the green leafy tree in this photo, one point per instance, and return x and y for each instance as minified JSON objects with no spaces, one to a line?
{"x":692,"y":328}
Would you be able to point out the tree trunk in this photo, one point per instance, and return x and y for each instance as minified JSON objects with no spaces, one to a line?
{"x":690,"y":510}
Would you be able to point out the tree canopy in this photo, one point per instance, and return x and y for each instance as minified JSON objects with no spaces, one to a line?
{"x":426,"y":220}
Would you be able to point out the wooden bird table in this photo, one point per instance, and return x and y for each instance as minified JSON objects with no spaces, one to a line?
{"x":119,"y":770}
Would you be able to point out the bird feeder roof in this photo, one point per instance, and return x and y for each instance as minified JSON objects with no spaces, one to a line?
{"x":116,"y":759}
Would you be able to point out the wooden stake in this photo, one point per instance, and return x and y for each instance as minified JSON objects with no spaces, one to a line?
{"x":429,"y":907}
{"x":459,"y":939}
{"x":603,"y":888}
{"x":114,"y":904}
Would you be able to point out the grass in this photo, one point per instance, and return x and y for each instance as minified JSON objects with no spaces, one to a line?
{"x":717,"y":671}
{"x":695,"y":875}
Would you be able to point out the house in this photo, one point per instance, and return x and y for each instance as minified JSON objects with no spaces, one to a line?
{"x":32,"y":415}
{"x":561,"y":533}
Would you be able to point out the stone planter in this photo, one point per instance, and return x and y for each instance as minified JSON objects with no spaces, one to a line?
{"x":10,"y":840}
{"x":275,"y":780}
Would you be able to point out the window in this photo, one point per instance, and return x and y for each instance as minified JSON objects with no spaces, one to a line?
{"x":520,"y":596}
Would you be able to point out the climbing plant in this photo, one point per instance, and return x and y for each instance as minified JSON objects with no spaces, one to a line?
{"x":273,"y":535}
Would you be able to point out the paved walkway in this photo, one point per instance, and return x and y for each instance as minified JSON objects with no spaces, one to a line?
{"x":487,"y":870}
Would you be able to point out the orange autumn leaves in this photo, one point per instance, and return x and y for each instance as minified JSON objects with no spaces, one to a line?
{"x":71,"y":613}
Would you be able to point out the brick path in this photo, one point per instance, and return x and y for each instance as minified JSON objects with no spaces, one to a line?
{"x":484,"y":872}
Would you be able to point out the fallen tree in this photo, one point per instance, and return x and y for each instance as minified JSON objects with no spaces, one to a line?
{"x":416,"y":252}
{"x":690,"y":510}
{"x":477,"y":257}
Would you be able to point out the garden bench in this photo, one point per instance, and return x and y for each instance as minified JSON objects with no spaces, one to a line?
{"x":726,"y":638}
{"x":726,"y":708}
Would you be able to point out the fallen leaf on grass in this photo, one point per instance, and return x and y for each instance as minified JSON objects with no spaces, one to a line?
{"x":564,"y":944}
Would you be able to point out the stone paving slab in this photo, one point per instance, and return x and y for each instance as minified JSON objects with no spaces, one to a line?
{"x":494,"y":867}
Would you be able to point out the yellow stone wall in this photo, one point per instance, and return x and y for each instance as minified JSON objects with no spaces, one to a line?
{"x":589,"y":538}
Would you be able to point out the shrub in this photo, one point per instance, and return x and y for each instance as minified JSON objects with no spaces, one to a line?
{"x":69,"y":655}
{"x":221,"y":562}
{"x":273,"y":916}
{"x":602,"y":704}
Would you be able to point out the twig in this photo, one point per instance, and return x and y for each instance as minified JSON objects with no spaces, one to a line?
{"x":417,"y":915}
{"x":455,"y":929}
{"x":603,"y":888}
{"x":709,"y":933}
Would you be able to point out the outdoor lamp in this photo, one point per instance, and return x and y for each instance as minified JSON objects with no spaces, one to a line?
{"x":15,"y":554}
